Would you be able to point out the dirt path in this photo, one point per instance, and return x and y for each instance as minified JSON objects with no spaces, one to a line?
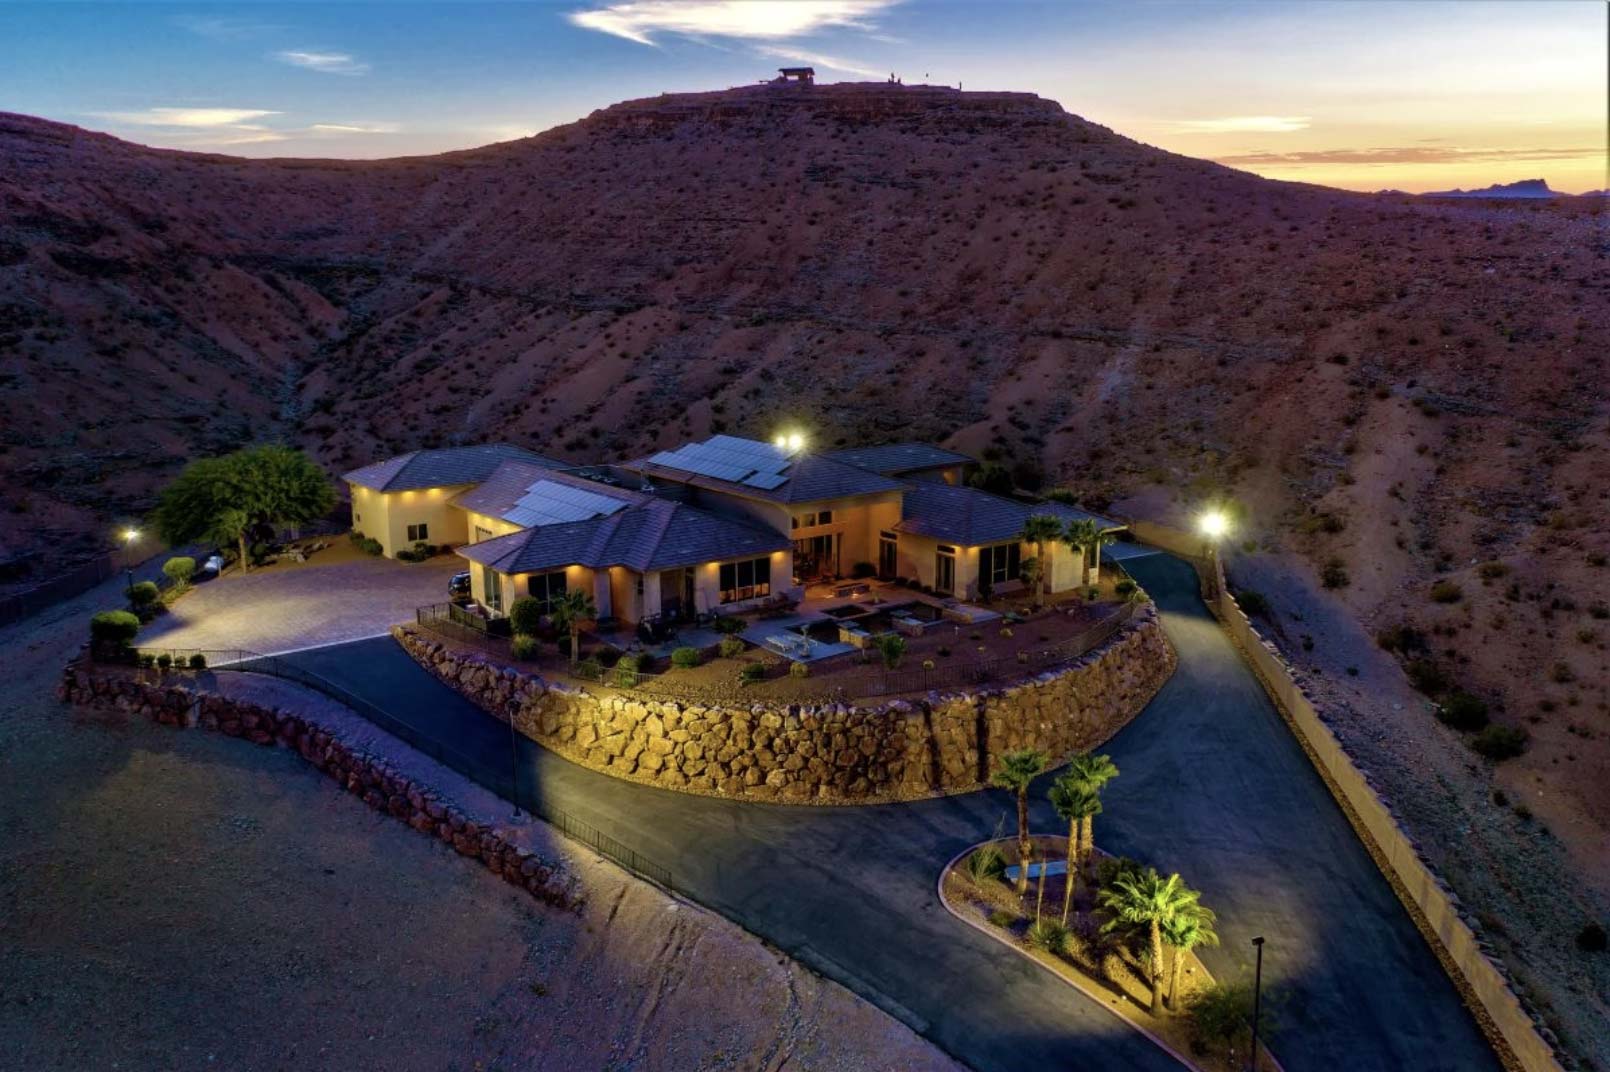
{"x":179,"y":899}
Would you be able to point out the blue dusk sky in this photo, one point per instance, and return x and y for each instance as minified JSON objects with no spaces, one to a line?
{"x":1361,"y":94}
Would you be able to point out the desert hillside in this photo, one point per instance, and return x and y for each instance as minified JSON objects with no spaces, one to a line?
{"x":1398,"y":391}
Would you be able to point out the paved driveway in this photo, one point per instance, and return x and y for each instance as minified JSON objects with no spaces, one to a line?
{"x":334,"y":597}
{"x":1213,"y":785}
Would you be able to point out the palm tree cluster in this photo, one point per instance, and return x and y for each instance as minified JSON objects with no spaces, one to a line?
{"x":1084,"y":535}
{"x":1171,"y":911}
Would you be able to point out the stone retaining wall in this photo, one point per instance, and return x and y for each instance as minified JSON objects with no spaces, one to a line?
{"x":176,"y":698}
{"x":819,"y":753}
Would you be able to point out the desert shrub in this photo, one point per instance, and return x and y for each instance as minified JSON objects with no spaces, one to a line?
{"x":799,"y":669}
{"x":686,"y":658}
{"x":1499,"y":743}
{"x":731,"y":647}
{"x":372,"y":546}
{"x":1006,"y":631}
{"x":1092,"y":593}
{"x":148,"y":660}
{"x":523,"y":647}
{"x":1592,"y":939}
{"x":943,"y":652}
{"x":144,"y":594}
{"x":728,"y":624}
{"x":1491,"y":571}
{"x":198,"y":661}
{"x":892,"y":646}
{"x":1221,"y":1016}
{"x":625,"y":675}
{"x":1463,"y":711}
{"x":1402,"y":637}
{"x":1427,"y":676}
{"x":113,"y":628}
{"x":1126,"y":587}
{"x":1000,"y":917}
{"x":1252,"y":604}
{"x":590,"y":669}
{"x":751,"y":672}
{"x":1049,"y":935}
{"x":525,"y":616}
{"x":1561,"y":674}
{"x":984,"y":863}
{"x":862,"y":570}
{"x":1446,"y":591}
{"x":164,"y":661}
{"x":179,"y":569}
{"x":1599,"y":611}
{"x":1334,"y":575}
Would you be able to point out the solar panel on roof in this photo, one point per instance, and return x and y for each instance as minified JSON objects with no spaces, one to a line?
{"x":766,"y":481}
{"x":548,"y":502}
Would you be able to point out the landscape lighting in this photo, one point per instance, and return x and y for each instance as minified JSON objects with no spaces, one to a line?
{"x":130,"y":535}
{"x":1214,"y":524}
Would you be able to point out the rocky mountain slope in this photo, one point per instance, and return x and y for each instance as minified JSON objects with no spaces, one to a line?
{"x":1399,"y":391}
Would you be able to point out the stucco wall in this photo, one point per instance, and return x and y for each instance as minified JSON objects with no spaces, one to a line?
{"x":385,"y":516}
{"x":829,"y":753}
{"x":1435,"y":908}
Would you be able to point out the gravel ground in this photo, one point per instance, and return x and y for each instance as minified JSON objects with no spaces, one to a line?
{"x":173,"y":899}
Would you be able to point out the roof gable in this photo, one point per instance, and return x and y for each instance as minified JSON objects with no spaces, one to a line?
{"x":443,"y":467}
{"x":971,"y":517}
{"x":802,"y":478}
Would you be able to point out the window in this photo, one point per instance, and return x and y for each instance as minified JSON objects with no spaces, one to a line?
{"x":1000,"y":564}
{"x":356,"y":517}
{"x":810,"y":521}
{"x":546,"y":589}
{"x":492,"y":585}
{"x":418,"y":533}
{"x":482,"y":533}
{"x":945,"y":569}
{"x":749,"y":579}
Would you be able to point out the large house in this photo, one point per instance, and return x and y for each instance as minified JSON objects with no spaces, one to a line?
{"x":725,"y":523}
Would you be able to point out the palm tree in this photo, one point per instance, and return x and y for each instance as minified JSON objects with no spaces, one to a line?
{"x":1190,"y":927}
{"x":569,"y":611}
{"x":1093,"y":772}
{"x":1076,"y":802}
{"x":1017,"y":770}
{"x":1087,"y":537}
{"x":1148,"y":899}
{"x":1040,"y":529}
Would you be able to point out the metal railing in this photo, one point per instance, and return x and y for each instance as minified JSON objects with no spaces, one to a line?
{"x":500,"y":778}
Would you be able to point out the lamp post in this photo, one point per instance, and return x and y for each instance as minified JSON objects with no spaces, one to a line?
{"x":129,"y":536}
{"x":1257,"y":1001}
{"x":1213,"y":525}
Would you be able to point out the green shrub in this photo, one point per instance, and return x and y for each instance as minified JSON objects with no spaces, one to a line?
{"x":751,"y":671}
{"x":1092,"y":593}
{"x":686,"y":658}
{"x":148,"y":660}
{"x":113,"y":628}
{"x":198,"y":661}
{"x":1499,"y":743}
{"x":892,"y":646}
{"x":1463,"y":711}
{"x":1334,"y":575}
{"x":144,"y":593}
{"x":731,"y":647}
{"x":1049,"y":935}
{"x":1446,"y":591}
{"x":1252,"y":604}
{"x":590,"y":669}
{"x":164,"y":661}
{"x":372,"y":546}
{"x":525,"y":616}
{"x":1000,"y":917}
{"x":1427,"y":676}
{"x":625,"y":675}
{"x":728,"y":624}
{"x":523,"y":647}
{"x":355,"y":538}
{"x":179,"y":569}
{"x":799,"y":669}
{"x":984,"y":863}
{"x":1126,"y":588}
{"x":1110,"y":868}
{"x":1221,"y":1016}
{"x":863,"y":570}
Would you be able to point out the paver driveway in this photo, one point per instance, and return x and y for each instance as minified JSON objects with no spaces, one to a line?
{"x":336,"y":596}
{"x":1213,"y":785}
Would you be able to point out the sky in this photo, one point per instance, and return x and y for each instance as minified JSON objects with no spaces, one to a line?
{"x":1361,"y":94}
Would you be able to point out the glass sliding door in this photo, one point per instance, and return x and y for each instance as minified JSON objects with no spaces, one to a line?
{"x":945,"y":570}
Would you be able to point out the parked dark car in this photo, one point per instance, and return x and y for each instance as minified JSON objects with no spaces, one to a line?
{"x":458,"y":589}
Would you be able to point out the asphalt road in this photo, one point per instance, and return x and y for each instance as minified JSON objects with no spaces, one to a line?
{"x":1212,"y":785}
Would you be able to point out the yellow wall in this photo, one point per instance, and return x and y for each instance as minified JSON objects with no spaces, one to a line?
{"x":385,"y":516}
{"x":494,"y":525}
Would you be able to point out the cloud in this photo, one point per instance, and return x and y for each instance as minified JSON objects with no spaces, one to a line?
{"x":354,"y":128}
{"x":641,"y":20}
{"x":323,"y":62}
{"x":817,"y":59}
{"x":1406,"y":154}
{"x":188,"y":117}
{"x":1244,"y":124}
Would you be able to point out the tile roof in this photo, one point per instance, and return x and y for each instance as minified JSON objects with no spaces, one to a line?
{"x":810,"y":478}
{"x":971,"y":518}
{"x":892,"y":459}
{"x":499,"y":493}
{"x":652,"y":534}
{"x":443,"y":467}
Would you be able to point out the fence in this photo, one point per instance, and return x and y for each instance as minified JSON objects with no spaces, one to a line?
{"x":499,"y":778}
{"x":75,"y":582}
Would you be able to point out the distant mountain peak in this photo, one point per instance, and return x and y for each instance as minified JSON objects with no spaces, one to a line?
{"x":1522,"y":188}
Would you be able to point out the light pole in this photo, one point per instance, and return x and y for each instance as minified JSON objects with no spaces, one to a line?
{"x":1257,"y":1001}
{"x":1213,"y":525}
{"x":514,"y":766}
{"x":129,"y":536}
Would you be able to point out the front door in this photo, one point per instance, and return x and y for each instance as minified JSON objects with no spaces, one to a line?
{"x":888,"y":556}
{"x":676,"y":594}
